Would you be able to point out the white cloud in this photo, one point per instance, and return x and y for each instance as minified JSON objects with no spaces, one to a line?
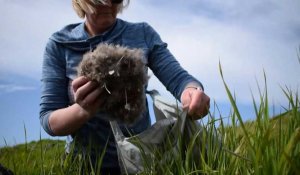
{"x":25,"y":28}
{"x":246,"y":37}
{"x":9,"y":88}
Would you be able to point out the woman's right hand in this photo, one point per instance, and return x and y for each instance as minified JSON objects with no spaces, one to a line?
{"x":87,"y":95}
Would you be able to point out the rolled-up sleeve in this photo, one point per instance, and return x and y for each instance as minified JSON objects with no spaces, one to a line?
{"x":54,"y":88}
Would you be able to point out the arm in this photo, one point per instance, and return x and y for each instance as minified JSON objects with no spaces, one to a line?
{"x":56,"y":116}
{"x":67,"y":120}
{"x":164,"y":65}
{"x":178,"y":81}
{"x":87,"y":97}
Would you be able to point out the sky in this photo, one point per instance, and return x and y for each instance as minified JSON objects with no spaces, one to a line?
{"x":248,"y":38}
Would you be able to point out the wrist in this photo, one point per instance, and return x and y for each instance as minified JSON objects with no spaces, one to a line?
{"x":194,"y":87}
{"x":82,"y":112}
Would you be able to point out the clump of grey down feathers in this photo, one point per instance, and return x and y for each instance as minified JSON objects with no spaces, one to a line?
{"x":121,"y":73}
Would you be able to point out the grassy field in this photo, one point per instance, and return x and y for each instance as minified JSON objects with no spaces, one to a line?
{"x":267,"y":145}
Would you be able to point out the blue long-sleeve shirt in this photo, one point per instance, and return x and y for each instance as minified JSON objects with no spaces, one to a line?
{"x":64,"y":52}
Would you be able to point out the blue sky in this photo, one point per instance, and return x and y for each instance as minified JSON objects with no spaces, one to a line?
{"x":247,"y":37}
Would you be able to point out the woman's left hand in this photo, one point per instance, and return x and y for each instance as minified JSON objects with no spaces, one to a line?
{"x":196,"y":102}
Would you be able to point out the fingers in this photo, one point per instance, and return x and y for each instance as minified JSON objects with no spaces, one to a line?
{"x":93,"y":97}
{"x":196,"y":102}
{"x":199,"y":105}
{"x":87,"y":95}
{"x":78,"y":82}
{"x":186,"y":100}
{"x":85,"y":91}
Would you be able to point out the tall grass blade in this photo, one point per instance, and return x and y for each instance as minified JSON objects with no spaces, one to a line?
{"x":287,"y":156}
{"x":42,"y":154}
{"x":5,"y":142}
{"x":236,"y":110}
{"x":25,"y":132}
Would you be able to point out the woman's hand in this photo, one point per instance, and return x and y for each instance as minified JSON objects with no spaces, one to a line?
{"x":66,"y":121}
{"x":87,"y":95}
{"x":196,"y":102}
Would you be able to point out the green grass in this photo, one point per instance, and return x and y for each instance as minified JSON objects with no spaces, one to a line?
{"x":42,"y":157}
{"x":266,"y":145}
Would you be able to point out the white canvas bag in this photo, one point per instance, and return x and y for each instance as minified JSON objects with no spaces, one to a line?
{"x":171,"y":121}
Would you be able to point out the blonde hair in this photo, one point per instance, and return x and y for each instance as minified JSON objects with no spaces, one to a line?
{"x":83,"y":6}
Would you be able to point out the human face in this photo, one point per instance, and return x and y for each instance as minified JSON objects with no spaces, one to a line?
{"x":103,"y":18}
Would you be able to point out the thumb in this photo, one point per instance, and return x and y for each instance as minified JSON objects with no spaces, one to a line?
{"x":186,"y":100}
